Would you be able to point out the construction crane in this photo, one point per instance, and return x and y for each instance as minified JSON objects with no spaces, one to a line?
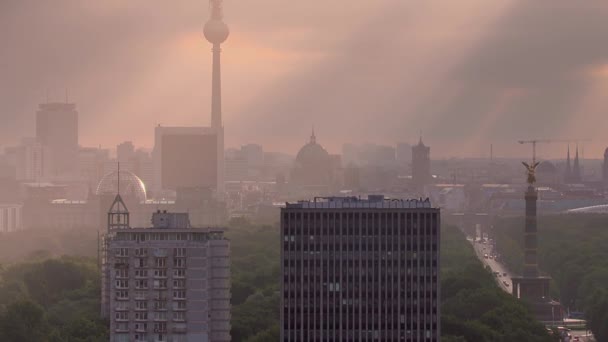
{"x":534,"y":142}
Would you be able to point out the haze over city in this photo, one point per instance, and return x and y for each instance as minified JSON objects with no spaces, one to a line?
{"x":218,"y":171}
{"x":466,"y":73}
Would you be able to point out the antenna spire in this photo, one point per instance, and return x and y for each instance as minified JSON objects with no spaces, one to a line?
{"x":118,"y":178}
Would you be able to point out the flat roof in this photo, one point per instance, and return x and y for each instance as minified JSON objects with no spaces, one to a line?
{"x":372,"y":202}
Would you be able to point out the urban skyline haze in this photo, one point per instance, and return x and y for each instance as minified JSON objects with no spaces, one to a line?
{"x":467,"y":74}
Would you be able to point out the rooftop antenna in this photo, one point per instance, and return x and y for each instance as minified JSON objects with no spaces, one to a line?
{"x":119,"y":178}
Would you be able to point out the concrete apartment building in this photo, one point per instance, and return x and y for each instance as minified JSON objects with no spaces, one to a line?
{"x":360,"y":270}
{"x":169,"y":282}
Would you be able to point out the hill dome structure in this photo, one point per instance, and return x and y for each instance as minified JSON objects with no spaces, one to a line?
{"x":313,"y":167}
{"x":131,"y":186}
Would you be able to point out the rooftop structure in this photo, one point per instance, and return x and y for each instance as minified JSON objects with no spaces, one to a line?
{"x":373,"y":201}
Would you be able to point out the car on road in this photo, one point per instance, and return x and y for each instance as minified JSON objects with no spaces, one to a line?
{"x":485,"y":255}
{"x":505,"y":283}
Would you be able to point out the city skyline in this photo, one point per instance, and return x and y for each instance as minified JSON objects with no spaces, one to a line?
{"x":542,"y":100}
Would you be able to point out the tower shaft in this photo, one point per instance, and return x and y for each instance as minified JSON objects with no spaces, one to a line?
{"x":216,"y":89}
{"x":530,"y":235}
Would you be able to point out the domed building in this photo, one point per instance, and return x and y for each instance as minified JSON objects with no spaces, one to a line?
{"x":131,"y":186}
{"x":314,"y":167}
{"x":547,"y":173}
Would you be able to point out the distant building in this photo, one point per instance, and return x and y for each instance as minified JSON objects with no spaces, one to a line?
{"x":573,"y":173}
{"x":57,"y":130}
{"x":186,"y":157}
{"x":403,"y":154}
{"x":31,"y":160}
{"x":421,"y":164}
{"x":91,"y":164}
{"x":355,"y":269}
{"x":605,"y":168}
{"x":314,"y":168}
{"x":169,"y":282}
{"x":125,"y":152}
{"x":10,"y":218}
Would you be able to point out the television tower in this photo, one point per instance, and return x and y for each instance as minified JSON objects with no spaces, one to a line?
{"x":216,"y":32}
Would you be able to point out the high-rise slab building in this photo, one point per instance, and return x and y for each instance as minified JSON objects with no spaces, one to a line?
{"x":57,"y":130}
{"x":421,"y":164}
{"x":169,"y":282}
{"x":360,"y":270}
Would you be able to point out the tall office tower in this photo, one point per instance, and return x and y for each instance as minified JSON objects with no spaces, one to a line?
{"x":216,"y":32}
{"x":421,"y":164}
{"x":360,"y":269}
{"x":57,"y":129}
{"x":170,"y":282}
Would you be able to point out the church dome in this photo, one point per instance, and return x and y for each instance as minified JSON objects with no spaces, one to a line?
{"x":312,"y":154}
{"x":546,"y":167}
{"x":131,"y":186}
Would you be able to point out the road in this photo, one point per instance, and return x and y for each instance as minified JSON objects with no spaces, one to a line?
{"x":501,"y":279}
{"x":481,"y":250}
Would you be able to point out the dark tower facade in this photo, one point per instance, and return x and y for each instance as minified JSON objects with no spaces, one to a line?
{"x":531,"y":287}
{"x":360,"y":270}
{"x":421,"y":164}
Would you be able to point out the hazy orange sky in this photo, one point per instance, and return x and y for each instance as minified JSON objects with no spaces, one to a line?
{"x":467,"y":73}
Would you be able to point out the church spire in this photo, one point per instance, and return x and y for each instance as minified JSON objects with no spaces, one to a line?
{"x":568,"y":171}
{"x":313,"y":138}
{"x":118,"y":216}
{"x":576,"y":168}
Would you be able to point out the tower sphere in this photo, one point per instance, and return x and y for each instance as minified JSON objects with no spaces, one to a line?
{"x":216,"y":31}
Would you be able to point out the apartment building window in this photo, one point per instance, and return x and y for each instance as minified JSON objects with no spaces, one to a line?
{"x":160,"y":284}
{"x":179,"y":252}
{"x":141,"y":284}
{"x":181,"y":273}
{"x":160,"y":273}
{"x":141,"y":316}
{"x":121,"y":273}
{"x":160,"y":305}
{"x":140,"y":295}
{"x":179,"y":316}
{"x":181,"y":263}
{"x":160,"y":327}
{"x":141,"y":262}
{"x":181,"y":305}
{"x":160,"y":315}
{"x":141,"y":252}
{"x":141,"y":273}
{"x":179,"y":294}
{"x":141,"y":327}
{"x":122,"y":252}
{"x":141,"y":305}
{"x":140,"y":337}
{"x":122,"y":306}
{"x":160,"y":262}
{"x":179,"y":284}
{"x":122,"y":295}
{"x":121,"y":316}
{"x":122,"y":284}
